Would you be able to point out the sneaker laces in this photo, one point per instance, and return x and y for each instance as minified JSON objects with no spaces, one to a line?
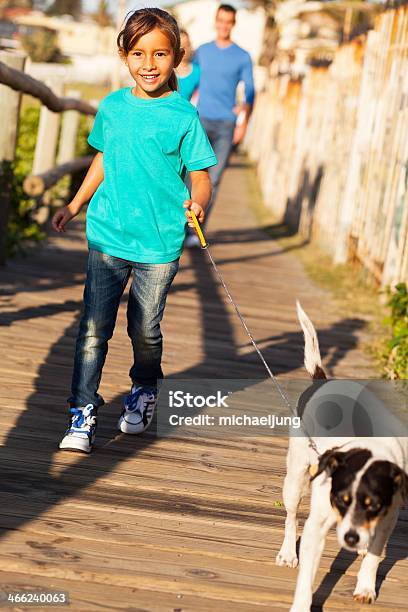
{"x":132,"y":400}
{"x":82,"y":418}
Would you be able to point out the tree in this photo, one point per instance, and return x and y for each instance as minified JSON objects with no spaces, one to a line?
{"x":268,"y":5}
{"x":42,"y":46}
{"x":66,"y":7}
{"x":39,"y":5}
{"x":102,"y":16}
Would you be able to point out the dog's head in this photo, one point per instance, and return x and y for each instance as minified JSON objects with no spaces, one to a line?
{"x":363,"y":490}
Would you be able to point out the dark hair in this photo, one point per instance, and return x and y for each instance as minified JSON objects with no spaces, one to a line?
{"x":141,"y":22}
{"x":228,"y":8}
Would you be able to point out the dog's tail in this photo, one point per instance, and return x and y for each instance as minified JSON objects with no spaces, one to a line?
{"x":313,"y":361}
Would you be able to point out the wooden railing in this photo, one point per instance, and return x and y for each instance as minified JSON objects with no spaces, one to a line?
{"x":55,"y":149}
{"x":332,"y":150}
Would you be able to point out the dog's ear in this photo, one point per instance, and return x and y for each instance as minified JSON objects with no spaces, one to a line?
{"x":333,"y":459}
{"x":400,"y":480}
{"x":329,"y":462}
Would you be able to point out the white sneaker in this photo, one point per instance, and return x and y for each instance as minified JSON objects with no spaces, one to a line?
{"x":138,"y":410}
{"x":80,"y":435}
{"x":192,"y":241}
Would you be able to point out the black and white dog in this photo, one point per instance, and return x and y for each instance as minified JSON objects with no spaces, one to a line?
{"x":357,"y":482}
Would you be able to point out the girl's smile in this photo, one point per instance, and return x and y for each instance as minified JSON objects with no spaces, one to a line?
{"x":151,"y":62}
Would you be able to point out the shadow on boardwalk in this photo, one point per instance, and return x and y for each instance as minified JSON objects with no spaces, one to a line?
{"x":26,"y":460}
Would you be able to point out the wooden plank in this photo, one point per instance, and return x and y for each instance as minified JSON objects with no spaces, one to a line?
{"x":160,"y":523}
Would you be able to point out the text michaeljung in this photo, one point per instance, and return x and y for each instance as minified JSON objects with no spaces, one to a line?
{"x":269,"y":420}
{"x":236,"y":420}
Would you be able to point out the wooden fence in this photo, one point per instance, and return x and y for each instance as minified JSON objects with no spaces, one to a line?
{"x":332,"y":150}
{"x":56,"y":138}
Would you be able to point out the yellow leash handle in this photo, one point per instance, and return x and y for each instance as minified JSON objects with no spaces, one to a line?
{"x":198,"y":229}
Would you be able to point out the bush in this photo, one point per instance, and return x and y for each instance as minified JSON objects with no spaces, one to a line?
{"x":20,"y":225}
{"x":41,"y":45}
{"x":395,"y":355}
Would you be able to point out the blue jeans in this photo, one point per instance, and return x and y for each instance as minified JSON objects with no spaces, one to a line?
{"x":107,"y":277}
{"x":220,"y":133}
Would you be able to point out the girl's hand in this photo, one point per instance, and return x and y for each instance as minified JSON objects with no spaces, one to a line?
{"x":198,"y":211}
{"x":61,"y":218}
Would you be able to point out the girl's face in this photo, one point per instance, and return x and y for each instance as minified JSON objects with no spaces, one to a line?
{"x":151,"y":62}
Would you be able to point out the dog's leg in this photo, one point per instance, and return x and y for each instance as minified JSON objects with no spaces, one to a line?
{"x":366,"y":577}
{"x":321,"y":518}
{"x":294,"y":486}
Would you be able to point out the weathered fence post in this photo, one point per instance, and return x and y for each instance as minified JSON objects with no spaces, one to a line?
{"x":47,"y":138}
{"x":67,"y":141}
{"x":46,"y":147}
{"x":9,"y":112}
{"x":69,"y":131}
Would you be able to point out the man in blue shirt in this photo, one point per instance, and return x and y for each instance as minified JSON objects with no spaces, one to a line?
{"x":223,"y":64}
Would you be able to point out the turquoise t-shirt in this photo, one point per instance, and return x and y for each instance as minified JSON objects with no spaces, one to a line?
{"x":148,"y":145}
{"x":189,"y":83}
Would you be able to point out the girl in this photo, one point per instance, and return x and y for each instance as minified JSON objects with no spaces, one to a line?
{"x":188,"y":73}
{"x":147,"y":136}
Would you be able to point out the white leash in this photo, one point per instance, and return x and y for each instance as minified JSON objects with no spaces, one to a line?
{"x":204,"y":245}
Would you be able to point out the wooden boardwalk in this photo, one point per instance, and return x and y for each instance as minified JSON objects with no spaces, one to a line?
{"x":147,"y":523}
